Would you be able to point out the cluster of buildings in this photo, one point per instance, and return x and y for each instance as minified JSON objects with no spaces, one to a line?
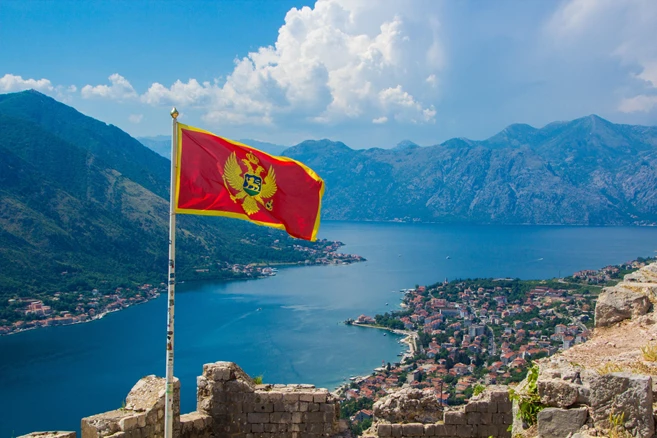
{"x":477,"y":332}
{"x":63,"y":308}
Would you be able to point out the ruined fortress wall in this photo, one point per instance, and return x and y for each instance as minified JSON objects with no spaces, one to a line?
{"x":239,"y":408}
{"x":229,"y":404}
{"x":489,"y":414}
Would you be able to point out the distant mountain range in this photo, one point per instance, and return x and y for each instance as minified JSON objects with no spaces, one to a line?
{"x":162,"y":145}
{"x":587,"y":171}
{"x":83,"y":204}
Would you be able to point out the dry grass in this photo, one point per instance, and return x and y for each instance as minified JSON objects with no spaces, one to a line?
{"x":608,"y":368}
{"x":649,"y":352}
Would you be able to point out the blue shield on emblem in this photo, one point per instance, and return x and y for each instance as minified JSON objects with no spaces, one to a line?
{"x":252,"y":184}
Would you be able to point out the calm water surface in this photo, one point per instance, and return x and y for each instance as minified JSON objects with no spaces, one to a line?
{"x":50,"y":378}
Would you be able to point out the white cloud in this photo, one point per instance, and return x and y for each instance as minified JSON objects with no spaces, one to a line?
{"x":340,"y":60}
{"x":119,"y":89}
{"x":640,"y":103}
{"x":621,"y":30}
{"x":380,"y":120}
{"x":135,"y":118}
{"x":11,"y":83}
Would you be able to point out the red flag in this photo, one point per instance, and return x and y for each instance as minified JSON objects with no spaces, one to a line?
{"x":221,"y":177}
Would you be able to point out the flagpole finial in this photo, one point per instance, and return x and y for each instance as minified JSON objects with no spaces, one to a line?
{"x":174,"y":112}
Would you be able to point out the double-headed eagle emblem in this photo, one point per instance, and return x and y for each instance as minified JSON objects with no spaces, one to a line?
{"x":252,"y":187}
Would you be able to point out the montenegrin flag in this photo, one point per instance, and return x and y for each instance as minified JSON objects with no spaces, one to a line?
{"x":221,"y":177}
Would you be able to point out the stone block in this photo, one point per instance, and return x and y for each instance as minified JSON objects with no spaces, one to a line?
{"x":497,"y":419}
{"x":616,"y":304}
{"x":413,"y":429}
{"x":280,"y":417}
{"x":473,"y":417}
{"x":257,"y":417}
{"x":557,"y":393}
{"x":384,"y":430}
{"x":315,"y":417}
{"x":313,"y":407}
{"x":129,"y":423}
{"x":303,"y":406}
{"x":305,"y":397}
{"x":262,"y":407}
{"x":319,"y":397}
{"x":257,"y":428}
{"x":455,"y":417}
{"x":505,"y":407}
{"x":498,"y":394}
{"x":623,"y":393}
{"x":396,"y":430}
{"x":477,"y":406}
{"x":485,"y":431}
{"x":465,"y":431}
{"x":558,"y":423}
{"x":429,"y":430}
{"x":271,"y":428}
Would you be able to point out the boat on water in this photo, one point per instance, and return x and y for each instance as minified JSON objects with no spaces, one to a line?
{"x":385,"y":334}
{"x":386,"y":304}
{"x":258,"y":309}
{"x":448,"y":257}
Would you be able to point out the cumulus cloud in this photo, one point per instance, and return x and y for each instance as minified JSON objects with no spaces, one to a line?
{"x":380,"y":120}
{"x":621,"y":30}
{"x":135,"y":118}
{"x":119,"y":89}
{"x":337,"y":61}
{"x":10,"y":83}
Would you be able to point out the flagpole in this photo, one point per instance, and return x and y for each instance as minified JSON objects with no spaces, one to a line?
{"x":168,"y":408}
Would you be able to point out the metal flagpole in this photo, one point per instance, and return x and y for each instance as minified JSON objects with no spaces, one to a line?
{"x":168,"y":409}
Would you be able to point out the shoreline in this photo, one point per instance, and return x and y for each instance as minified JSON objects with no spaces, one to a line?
{"x":91,"y":319}
{"x":409,"y":339}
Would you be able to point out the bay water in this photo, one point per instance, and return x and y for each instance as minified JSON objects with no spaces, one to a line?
{"x":286,"y":328}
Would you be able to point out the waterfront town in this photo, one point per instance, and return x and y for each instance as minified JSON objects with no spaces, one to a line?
{"x":20,"y":313}
{"x":466,"y":334}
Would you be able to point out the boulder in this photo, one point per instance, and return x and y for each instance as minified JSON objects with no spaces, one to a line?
{"x":559,"y":423}
{"x":557,"y":393}
{"x":616,"y":304}
{"x":623,"y":394}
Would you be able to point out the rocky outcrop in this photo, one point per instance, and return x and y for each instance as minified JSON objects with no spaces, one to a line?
{"x":559,"y":423}
{"x":630,"y":298}
{"x":606,"y":383}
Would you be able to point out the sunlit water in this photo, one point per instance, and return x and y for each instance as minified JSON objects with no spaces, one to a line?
{"x":50,"y":378}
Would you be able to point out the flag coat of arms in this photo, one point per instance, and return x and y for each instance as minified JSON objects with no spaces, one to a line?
{"x":220,"y":177}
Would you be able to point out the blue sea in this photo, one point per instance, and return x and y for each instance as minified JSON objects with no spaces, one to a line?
{"x":50,"y":378}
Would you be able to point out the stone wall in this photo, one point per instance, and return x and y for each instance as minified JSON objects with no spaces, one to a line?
{"x":239,"y":408}
{"x":141,"y":417}
{"x":486,"y":415}
{"x":229,"y":404}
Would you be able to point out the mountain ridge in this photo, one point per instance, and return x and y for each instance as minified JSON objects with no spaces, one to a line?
{"x":83,"y":204}
{"x":588,"y":171}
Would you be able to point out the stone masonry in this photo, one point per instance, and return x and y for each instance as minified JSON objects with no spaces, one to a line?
{"x":231,"y":405}
{"x":486,"y":415}
{"x":239,"y":408}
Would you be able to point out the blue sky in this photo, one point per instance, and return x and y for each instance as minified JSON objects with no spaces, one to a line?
{"x":367,"y":72}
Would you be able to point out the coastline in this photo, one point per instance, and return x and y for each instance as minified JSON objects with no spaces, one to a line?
{"x":90,"y":319}
{"x":409,"y":339}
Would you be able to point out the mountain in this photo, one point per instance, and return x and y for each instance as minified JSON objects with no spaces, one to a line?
{"x":162,"y":145}
{"x":270,"y":148}
{"x":83,"y":204}
{"x":159,"y":143}
{"x":587,"y":171}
